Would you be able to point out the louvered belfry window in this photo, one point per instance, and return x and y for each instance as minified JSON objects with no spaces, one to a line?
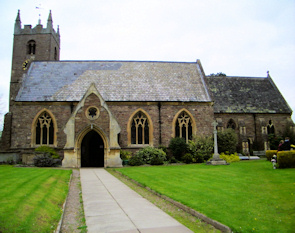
{"x":140,"y":129}
{"x":44,"y":130}
{"x":31,"y":47}
{"x":183,"y":126}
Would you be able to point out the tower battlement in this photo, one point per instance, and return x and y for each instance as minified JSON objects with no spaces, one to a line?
{"x":38,"y":29}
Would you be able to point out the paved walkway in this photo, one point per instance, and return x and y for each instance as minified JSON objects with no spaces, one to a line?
{"x":111,"y":206}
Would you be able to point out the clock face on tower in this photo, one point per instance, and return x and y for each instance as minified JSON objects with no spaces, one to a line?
{"x":25,"y":64}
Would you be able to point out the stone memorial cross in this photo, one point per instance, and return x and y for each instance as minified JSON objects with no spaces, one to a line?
{"x":216,"y":154}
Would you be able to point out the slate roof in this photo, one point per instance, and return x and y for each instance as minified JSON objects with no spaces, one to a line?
{"x":246,"y":95}
{"x":115,"y":81}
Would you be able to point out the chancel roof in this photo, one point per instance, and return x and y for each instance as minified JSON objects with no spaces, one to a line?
{"x":115,"y":81}
{"x":246,"y":95}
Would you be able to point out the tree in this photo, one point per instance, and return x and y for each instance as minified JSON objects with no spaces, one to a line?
{"x":178,"y":147}
{"x":218,"y":74}
{"x":227,"y":141}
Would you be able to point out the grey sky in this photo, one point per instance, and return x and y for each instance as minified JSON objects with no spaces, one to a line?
{"x":236,"y":37}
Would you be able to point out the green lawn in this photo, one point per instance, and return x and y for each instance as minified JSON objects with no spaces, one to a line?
{"x":248,"y":196}
{"x":31,"y":199}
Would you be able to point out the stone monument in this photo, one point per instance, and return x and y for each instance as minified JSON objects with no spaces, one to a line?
{"x":216,"y":160}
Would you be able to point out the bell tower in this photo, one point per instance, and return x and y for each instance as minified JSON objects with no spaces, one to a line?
{"x":31,"y":44}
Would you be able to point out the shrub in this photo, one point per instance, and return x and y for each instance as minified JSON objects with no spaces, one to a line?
{"x":164,"y":148}
{"x":46,"y":156}
{"x":269,"y":154}
{"x":286,"y":159}
{"x":274,"y":141}
{"x":44,"y":160}
{"x":149,"y":153}
{"x":188,"y":158}
{"x":125,"y":155}
{"x":157,"y":161}
{"x":136,"y":160}
{"x":201,"y":148}
{"x":230,"y":158}
{"x":227,"y":141}
{"x":178,"y":147}
{"x":47,"y":149}
{"x":171,"y":159}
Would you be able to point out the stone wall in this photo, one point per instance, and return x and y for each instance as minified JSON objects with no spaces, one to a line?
{"x":24,"y":114}
{"x":250,"y":128}
{"x":23,"y":120}
{"x":202,"y":113}
{"x":253,"y":127}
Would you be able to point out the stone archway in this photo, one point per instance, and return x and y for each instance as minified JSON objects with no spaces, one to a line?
{"x":92,"y":150}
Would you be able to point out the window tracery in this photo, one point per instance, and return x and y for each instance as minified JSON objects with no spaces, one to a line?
{"x":44,"y":130}
{"x":140,"y":129}
{"x":183,"y":126}
{"x":92,"y":113}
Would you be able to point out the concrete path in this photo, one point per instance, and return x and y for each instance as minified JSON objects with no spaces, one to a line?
{"x":111,"y":206}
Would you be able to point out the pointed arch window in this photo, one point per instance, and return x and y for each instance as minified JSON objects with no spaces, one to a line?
{"x":31,"y":47}
{"x":183,"y":126}
{"x":140,"y":129}
{"x":44,"y":130}
{"x":231,"y":124}
{"x":270,"y":128}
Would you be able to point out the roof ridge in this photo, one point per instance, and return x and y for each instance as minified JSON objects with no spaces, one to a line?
{"x":139,"y":61}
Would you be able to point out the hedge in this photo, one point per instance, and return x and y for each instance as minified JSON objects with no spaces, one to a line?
{"x":269,"y":154}
{"x":286,"y":159}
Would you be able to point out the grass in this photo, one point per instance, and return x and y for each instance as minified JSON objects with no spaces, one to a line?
{"x":247,"y":196}
{"x":31,"y":199}
{"x":181,"y":216}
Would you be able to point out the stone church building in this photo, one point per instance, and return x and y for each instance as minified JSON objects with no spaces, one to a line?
{"x":89,"y":110}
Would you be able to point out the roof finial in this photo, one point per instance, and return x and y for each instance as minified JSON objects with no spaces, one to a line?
{"x":267,"y":73}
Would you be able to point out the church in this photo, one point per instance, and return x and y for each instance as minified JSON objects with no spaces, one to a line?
{"x":90,"y":110}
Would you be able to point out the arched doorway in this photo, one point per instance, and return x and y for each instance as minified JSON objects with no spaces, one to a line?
{"x":92,"y":150}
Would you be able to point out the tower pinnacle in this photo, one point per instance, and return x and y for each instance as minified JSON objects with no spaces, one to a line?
{"x":49,"y":21}
{"x":17,"y":25}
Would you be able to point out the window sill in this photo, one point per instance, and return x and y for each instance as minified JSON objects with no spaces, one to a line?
{"x":138,"y":146}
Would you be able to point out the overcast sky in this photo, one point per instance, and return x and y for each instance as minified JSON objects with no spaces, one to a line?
{"x":236,"y":37}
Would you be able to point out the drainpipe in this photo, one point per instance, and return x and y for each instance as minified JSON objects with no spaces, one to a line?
{"x":160,"y":123}
{"x":255,"y":130}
